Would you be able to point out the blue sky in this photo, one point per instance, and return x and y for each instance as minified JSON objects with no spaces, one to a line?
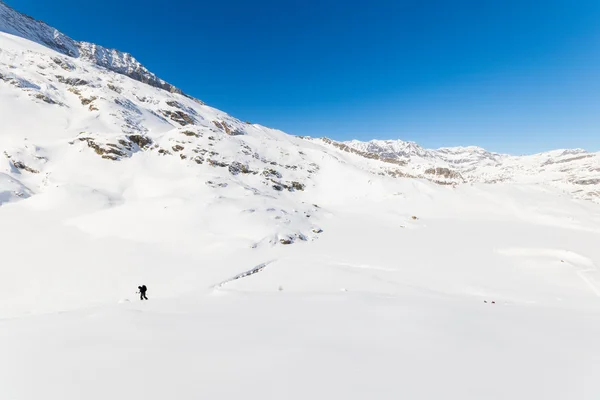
{"x":511,"y":76}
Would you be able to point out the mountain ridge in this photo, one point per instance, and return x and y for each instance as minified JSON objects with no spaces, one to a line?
{"x":574,"y":170}
{"x":27,"y":27}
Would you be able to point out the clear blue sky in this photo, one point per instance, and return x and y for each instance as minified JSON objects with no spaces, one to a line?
{"x":512,"y":76}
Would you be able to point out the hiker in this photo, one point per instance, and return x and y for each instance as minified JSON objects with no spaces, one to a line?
{"x":142,"y":292}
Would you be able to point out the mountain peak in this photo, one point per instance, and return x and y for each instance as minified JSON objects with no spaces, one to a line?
{"x":391,"y":148}
{"x":18,"y":24}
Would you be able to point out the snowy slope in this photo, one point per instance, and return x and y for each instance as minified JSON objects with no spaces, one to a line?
{"x":278,"y":267}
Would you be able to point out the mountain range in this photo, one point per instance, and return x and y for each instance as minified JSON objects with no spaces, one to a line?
{"x":108,"y":101}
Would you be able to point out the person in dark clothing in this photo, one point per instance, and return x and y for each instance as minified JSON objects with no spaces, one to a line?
{"x":142,"y":292}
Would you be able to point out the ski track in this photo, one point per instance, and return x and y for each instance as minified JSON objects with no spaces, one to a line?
{"x":587,"y":281}
{"x":244,"y":274}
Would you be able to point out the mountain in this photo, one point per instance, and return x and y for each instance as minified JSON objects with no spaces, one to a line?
{"x":86,"y":85}
{"x":277,"y":267}
{"x":574,"y":171}
{"x":18,"y":24}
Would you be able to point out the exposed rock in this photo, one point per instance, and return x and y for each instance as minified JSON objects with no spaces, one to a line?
{"x":86,"y":101}
{"x":125,"y":143}
{"x":289,"y":239}
{"x":179,"y":116}
{"x":396,"y":173}
{"x":143,"y":142}
{"x":270,"y":173}
{"x":567,"y":160}
{"x":177,"y":148}
{"x":175,"y":104}
{"x":314,"y":168}
{"x":194,"y":99}
{"x":292,"y":187}
{"x":71,"y":81}
{"x":237,"y":167}
{"x":297,"y":185}
{"x":67,"y":66}
{"x":45,"y":98}
{"x":109,"y":151}
{"x":114,"y":88}
{"x":372,"y":156}
{"x":190,"y":133}
{"x":594,"y":181}
{"x":216,"y":163}
{"x":444,"y":172}
{"x":128,"y":104}
{"x":21,"y":166}
{"x":246,"y":150}
{"x":222,"y":125}
{"x":214,"y":185}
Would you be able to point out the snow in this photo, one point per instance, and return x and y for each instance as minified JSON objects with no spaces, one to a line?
{"x":368,"y":310}
{"x":389,"y":287}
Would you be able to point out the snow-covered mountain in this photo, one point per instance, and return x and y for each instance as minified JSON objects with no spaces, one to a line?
{"x":81,"y":90}
{"x":575,"y":171}
{"x":15,"y":23}
{"x":278,"y":267}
